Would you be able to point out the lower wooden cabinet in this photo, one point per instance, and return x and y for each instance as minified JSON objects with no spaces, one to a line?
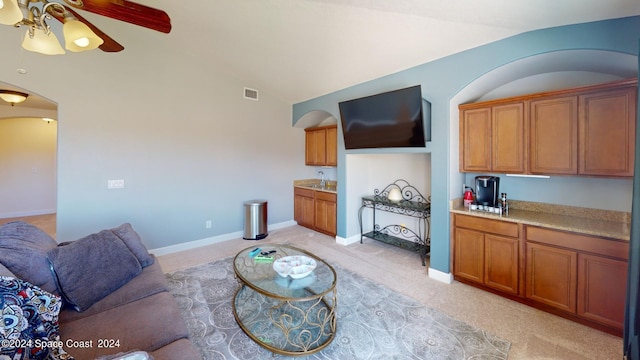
{"x":325,"y":212}
{"x":580,"y":277}
{"x":315,"y":210}
{"x":602,"y":284}
{"x":580,"y":274}
{"x":303,"y":207}
{"x":486,"y":256}
{"x":552,"y":276}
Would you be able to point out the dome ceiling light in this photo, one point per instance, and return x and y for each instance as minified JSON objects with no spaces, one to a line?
{"x":13,"y":97}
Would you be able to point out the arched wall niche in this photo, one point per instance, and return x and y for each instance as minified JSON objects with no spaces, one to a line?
{"x":315,"y":118}
{"x":538,"y":73}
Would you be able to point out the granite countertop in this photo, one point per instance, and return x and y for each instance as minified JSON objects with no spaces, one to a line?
{"x":611,"y":224}
{"x":314,"y":184}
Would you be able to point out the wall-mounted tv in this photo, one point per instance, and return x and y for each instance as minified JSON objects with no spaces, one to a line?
{"x":387,"y":120}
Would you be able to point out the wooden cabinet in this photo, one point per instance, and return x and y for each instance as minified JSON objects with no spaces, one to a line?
{"x":493,"y":138}
{"x":554,"y":135}
{"x":552,"y":276}
{"x":508,"y":140}
{"x":580,"y":277}
{"x":332,"y":145}
{"x":581,"y":131}
{"x":475,"y":139}
{"x":321,"y":146}
{"x":607,"y":132}
{"x":579,"y":274}
{"x":325,"y":212}
{"x":315,"y":210}
{"x":602,"y":284}
{"x":486,"y":252}
{"x":303,"y":207}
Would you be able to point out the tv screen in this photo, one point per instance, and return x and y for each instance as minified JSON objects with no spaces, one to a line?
{"x":387,"y":120}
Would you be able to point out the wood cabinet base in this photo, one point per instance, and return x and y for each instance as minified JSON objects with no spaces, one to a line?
{"x":546,"y":308}
{"x":576,"y":276}
{"x":315,"y":210}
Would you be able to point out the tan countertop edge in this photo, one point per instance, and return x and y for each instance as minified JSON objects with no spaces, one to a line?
{"x":617,"y":228}
{"x":309,"y":184}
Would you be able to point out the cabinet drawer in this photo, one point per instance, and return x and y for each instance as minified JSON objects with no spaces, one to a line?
{"x":585,"y":243}
{"x":487,"y":225}
{"x":326,"y":196}
{"x":303,"y":192}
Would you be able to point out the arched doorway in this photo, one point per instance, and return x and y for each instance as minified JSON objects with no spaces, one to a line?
{"x":28,"y":160}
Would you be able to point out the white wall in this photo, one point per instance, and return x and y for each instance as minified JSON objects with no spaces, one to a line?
{"x":27,"y":167}
{"x":368,"y":172}
{"x":177,"y":130}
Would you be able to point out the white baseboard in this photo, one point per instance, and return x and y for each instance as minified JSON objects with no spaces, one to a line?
{"x":16,"y":214}
{"x":438,"y":275}
{"x":212,"y":240}
{"x":348,"y":241}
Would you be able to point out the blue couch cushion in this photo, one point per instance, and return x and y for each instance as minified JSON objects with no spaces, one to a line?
{"x":131,"y":238}
{"x":91,"y":268}
{"x":23,"y":250}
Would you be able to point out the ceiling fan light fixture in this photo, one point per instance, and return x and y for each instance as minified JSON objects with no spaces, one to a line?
{"x":13,"y":97}
{"x":10,"y":13}
{"x":79,"y":37}
{"x":47,"y":44}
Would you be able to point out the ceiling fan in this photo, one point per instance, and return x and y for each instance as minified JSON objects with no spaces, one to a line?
{"x":79,"y":33}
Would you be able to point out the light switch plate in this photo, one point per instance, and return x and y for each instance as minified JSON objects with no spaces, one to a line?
{"x":115,"y":184}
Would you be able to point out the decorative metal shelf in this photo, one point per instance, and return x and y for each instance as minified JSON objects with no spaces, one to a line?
{"x":413,"y":204}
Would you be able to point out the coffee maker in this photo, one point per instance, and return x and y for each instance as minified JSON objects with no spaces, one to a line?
{"x":487,"y":190}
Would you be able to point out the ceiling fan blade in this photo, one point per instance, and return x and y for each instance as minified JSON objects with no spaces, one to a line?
{"x":109,"y":45}
{"x":126,"y":11}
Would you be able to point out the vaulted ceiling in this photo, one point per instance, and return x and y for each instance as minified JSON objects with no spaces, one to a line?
{"x":301,"y":49}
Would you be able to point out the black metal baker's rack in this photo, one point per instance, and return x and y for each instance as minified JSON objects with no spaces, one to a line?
{"x":412,"y":204}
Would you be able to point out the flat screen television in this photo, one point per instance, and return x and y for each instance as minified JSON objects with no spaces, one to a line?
{"x":387,"y":120}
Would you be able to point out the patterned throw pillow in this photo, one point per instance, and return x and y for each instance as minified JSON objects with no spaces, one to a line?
{"x":29,"y":322}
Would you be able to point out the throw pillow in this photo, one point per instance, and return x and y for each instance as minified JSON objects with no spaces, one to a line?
{"x":131,"y":238}
{"x":91,"y":268}
{"x":29,"y":322}
{"x":23,"y":250}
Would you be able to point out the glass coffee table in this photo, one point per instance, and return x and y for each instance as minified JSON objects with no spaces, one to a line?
{"x":284,"y":315}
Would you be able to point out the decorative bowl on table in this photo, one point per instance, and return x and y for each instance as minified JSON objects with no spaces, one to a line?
{"x":295,"y":266}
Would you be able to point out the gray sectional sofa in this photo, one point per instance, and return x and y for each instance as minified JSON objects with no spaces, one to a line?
{"x":99,"y":297}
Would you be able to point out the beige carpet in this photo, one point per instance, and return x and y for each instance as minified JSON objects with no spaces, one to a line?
{"x":534,"y":334}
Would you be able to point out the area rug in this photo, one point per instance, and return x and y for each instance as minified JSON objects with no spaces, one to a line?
{"x":373,"y":321}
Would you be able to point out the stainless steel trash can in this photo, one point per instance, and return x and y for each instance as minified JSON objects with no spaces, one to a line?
{"x":255,"y":220}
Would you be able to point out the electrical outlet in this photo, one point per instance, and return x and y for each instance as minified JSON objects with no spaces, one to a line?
{"x":115,"y":184}
{"x":208,"y":224}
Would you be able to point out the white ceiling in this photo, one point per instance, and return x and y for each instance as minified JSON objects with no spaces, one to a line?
{"x":301,"y":49}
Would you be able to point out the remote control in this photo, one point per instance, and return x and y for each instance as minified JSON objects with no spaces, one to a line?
{"x":254,"y":252}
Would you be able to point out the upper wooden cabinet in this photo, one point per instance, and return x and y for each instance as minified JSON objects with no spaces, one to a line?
{"x":554,"y":135}
{"x":607,"y":125}
{"x":321,"y":146}
{"x":582,"y":131}
{"x":493,"y":138}
{"x":475,"y":138}
{"x":508,"y":142}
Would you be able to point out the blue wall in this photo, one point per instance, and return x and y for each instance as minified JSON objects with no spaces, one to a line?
{"x":442,"y":79}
